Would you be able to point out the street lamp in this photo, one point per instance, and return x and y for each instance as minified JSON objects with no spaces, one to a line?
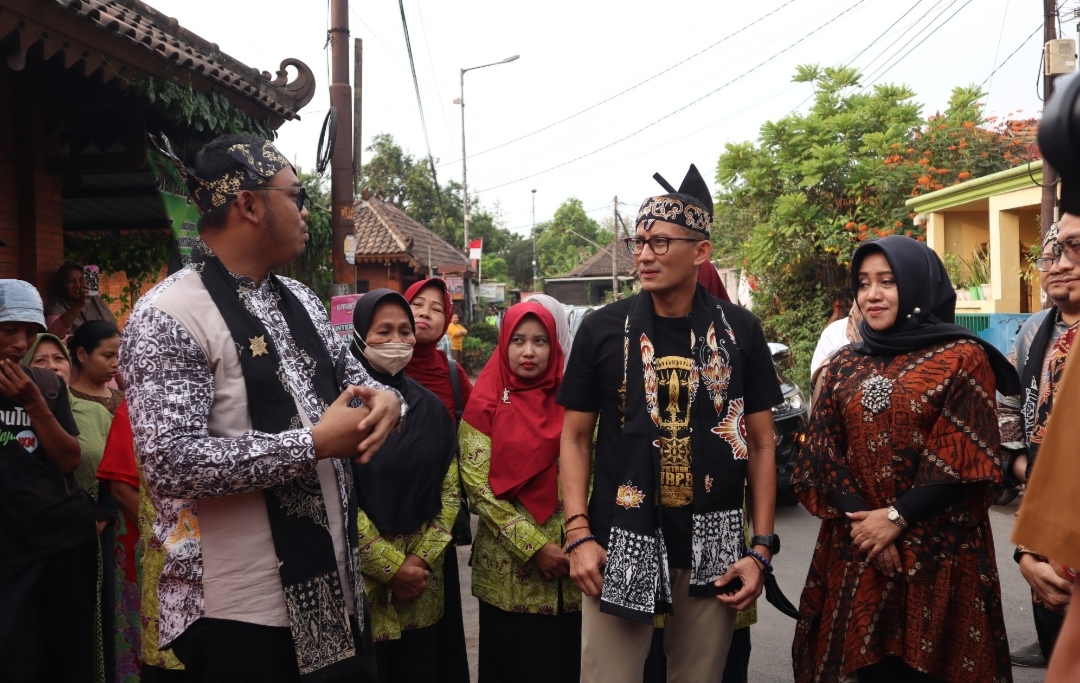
{"x":464,"y":181}
{"x":534,"y":239}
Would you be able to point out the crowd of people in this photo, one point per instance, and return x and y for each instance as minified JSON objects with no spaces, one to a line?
{"x":259,"y":500}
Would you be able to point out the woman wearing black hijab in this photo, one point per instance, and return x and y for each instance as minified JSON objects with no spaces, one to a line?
{"x":408,"y":499}
{"x":902,"y":465}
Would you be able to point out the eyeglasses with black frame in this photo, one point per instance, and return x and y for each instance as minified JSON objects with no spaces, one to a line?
{"x":301,"y":196}
{"x":659,"y":245}
{"x":1069,"y":247}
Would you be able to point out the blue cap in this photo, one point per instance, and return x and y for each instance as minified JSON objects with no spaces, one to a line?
{"x":20,"y":302}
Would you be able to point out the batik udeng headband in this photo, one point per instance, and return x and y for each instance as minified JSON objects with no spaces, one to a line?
{"x":259,"y":162}
{"x":675,"y":208}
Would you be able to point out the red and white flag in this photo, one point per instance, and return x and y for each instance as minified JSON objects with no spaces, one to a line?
{"x":475,"y":247}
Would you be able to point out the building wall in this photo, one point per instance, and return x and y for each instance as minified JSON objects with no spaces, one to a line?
{"x":31,"y":220}
{"x":572,"y":293}
{"x":396,"y":276}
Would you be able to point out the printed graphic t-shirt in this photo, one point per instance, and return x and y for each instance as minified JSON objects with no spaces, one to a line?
{"x":592,"y":382}
{"x":43,"y":511}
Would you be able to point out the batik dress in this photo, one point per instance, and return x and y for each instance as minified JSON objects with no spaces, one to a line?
{"x":883,"y":425}
{"x":381,"y":556}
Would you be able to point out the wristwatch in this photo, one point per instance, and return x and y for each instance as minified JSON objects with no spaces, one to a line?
{"x":896,"y":518}
{"x":771,"y":541}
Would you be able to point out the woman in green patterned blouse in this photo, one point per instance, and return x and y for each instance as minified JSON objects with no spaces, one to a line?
{"x":530,"y":611}
{"x":408,"y":497}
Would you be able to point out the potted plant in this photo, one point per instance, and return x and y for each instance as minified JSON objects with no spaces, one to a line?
{"x":956,"y":276}
{"x":979,"y":268}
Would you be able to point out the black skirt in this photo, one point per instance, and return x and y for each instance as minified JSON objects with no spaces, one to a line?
{"x":529,"y":648}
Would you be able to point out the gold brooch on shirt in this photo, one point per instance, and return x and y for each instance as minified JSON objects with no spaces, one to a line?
{"x":258,"y":346}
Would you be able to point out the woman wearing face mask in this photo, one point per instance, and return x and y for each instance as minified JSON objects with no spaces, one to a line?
{"x":408,"y":499}
{"x":902,"y":465}
{"x":530,"y":610}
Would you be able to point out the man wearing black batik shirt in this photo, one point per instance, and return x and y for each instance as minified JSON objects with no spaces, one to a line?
{"x":683,"y":385}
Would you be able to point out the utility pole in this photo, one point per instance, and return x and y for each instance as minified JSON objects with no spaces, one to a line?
{"x":341,"y":159}
{"x":1050,"y":176}
{"x":358,"y":100}
{"x":614,"y":256}
{"x":534,"y":239}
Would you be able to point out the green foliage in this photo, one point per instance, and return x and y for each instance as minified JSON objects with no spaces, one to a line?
{"x":314,"y":267}
{"x":558,"y":248}
{"x":792,"y":207}
{"x":489,"y":334}
{"x":475,"y":352}
{"x":209,"y":112}
{"x":952,"y":267}
{"x":978,"y":266}
{"x":405,"y":181}
{"x":139,"y":255}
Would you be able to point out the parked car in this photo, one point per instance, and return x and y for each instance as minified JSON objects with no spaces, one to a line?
{"x":790,"y":420}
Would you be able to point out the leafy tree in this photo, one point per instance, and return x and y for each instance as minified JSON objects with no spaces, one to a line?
{"x":315,"y":267}
{"x":793,"y":206}
{"x":558,"y":249}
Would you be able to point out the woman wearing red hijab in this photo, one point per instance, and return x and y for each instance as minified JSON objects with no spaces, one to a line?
{"x":432,"y":309}
{"x":530,"y":610}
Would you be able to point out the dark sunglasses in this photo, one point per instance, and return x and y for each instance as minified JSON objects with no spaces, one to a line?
{"x":301,"y":196}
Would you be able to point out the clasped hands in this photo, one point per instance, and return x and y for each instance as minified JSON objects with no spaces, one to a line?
{"x":876,"y":536}
{"x":346,"y":432}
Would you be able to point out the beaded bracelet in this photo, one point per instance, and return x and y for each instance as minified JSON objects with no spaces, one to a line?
{"x":571,"y":518}
{"x":766,"y":565}
{"x":578,"y":542}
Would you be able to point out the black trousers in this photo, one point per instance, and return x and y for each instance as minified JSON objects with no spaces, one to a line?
{"x":1047,"y":627}
{"x":510,"y":641}
{"x":893,"y":670}
{"x":47,"y":617}
{"x":226,"y":651}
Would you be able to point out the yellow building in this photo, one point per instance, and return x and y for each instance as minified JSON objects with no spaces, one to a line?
{"x":998,"y":212}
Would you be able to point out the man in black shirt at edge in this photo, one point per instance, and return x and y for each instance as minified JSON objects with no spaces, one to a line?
{"x":692,"y":376}
{"x":47,"y":536}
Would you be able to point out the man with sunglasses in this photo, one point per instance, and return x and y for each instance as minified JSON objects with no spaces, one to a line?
{"x":683,"y":385}
{"x":246,"y":435}
{"x":1044,"y":341}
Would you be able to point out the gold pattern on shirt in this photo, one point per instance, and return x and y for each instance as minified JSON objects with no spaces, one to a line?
{"x":676,"y":479}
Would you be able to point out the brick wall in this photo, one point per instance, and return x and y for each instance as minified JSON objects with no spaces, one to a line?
{"x":31,"y":209}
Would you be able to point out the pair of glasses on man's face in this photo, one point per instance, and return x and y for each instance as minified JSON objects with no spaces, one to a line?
{"x":1070,"y":248}
{"x":658,"y":245}
{"x":301,"y":196}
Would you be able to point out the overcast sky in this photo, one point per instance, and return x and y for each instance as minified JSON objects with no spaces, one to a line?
{"x":575,"y":55}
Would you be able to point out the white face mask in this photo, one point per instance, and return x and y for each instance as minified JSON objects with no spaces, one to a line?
{"x":390,"y":357}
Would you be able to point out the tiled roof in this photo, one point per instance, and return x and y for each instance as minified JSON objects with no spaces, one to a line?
{"x":128,"y":36}
{"x":383,"y":230}
{"x":599,"y":264}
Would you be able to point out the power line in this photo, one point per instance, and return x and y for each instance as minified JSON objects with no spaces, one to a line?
{"x":442,"y":106}
{"x":1001,"y":34}
{"x":684,"y":107}
{"x":883,"y":33}
{"x":623,"y":92}
{"x":898,"y":38}
{"x":915,"y":47}
{"x":420,"y":106}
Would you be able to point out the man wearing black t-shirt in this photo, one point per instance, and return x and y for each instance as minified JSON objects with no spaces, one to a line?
{"x":47,"y":535}
{"x":683,"y":385}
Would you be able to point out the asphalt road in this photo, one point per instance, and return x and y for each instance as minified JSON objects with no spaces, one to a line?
{"x":770,"y":661}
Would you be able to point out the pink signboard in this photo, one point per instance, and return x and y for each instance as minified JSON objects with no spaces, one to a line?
{"x":341,"y":310}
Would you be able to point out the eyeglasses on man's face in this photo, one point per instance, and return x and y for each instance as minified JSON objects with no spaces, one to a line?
{"x":1069,"y":247}
{"x":301,"y":196}
{"x":659,"y":245}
